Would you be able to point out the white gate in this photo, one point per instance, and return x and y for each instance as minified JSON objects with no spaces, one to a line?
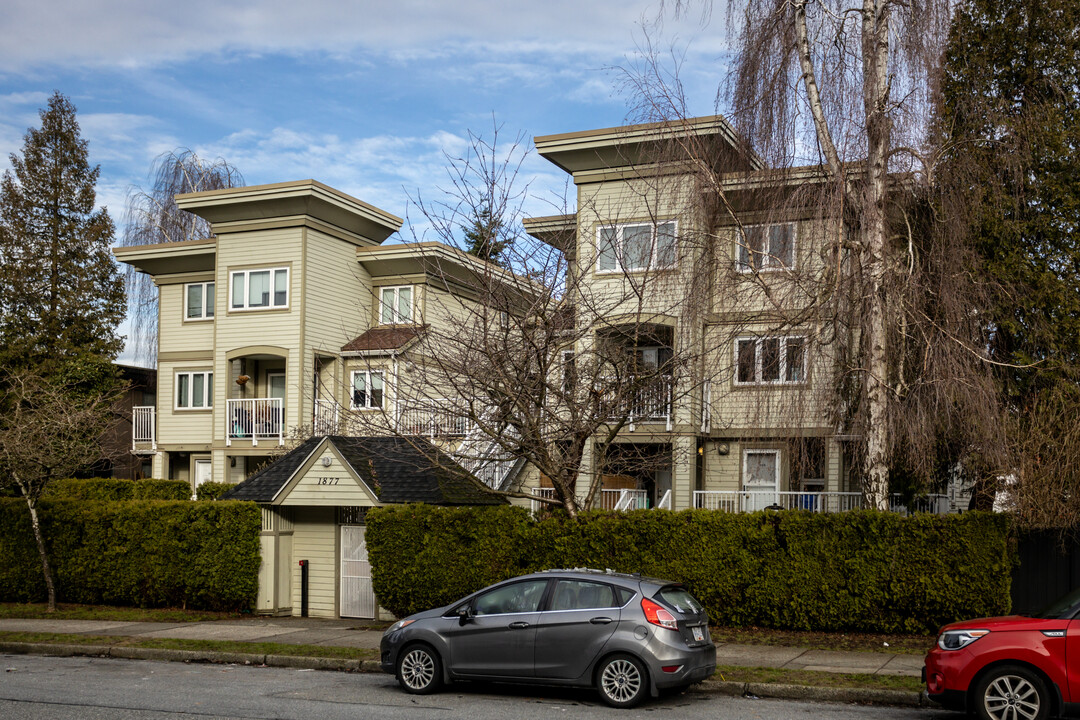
{"x":357,"y":597}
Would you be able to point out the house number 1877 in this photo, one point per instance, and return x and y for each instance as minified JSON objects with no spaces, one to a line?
{"x":326,"y":481}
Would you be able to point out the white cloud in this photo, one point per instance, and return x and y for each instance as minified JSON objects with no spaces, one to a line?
{"x":135,"y":33}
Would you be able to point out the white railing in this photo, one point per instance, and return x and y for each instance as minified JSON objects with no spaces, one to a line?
{"x":326,"y":419}
{"x":609,"y":499}
{"x":442,"y":417}
{"x":827,"y":502}
{"x":933,"y":504}
{"x":650,"y":403}
{"x":665,"y":501}
{"x":143,"y":427}
{"x":255,"y":419}
{"x":748,"y":501}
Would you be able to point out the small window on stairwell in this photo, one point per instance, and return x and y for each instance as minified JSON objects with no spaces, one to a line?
{"x":396,"y":305}
{"x":199,"y":301}
{"x":367,"y":389}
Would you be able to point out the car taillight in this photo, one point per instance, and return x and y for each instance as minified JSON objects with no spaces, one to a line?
{"x":658,"y":615}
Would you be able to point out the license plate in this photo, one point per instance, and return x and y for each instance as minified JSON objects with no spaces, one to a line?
{"x":699,"y":634}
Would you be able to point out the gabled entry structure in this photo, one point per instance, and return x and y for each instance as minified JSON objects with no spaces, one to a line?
{"x":314,"y":503}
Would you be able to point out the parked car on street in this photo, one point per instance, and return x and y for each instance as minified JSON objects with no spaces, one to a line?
{"x":1019,"y":667}
{"x":626,"y":635}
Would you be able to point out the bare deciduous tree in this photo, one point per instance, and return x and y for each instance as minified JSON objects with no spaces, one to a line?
{"x":835,"y":100}
{"x":152,"y":217}
{"x":50,"y":428}
{"x":523,"y":362}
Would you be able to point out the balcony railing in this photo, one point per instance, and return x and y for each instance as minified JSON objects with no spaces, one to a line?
{"x":825,"y":502}
{"x":440,"y":417}
{"x":254,"y":419}
{"x":646,"y":404}
{"x":326,"y":419}
{"x":609,"y":499}
{"x":143,"y":428}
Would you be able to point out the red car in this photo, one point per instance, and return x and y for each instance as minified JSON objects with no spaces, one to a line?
{"x":1020,"y":667}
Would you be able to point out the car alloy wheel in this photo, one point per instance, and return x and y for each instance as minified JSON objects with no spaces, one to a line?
{"x":621,"y":681}
{"x":1012,"y":693}
{"x":418,"y":670}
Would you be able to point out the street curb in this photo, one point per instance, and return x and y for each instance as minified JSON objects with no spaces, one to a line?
{"x":297,"y":662}
{"x":872,"y":696}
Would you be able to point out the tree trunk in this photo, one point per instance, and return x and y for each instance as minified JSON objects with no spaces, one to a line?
{"x":45,"y":567}
{"x":875,"y":47}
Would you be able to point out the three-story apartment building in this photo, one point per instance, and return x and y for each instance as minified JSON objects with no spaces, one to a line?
{"x":711,"y":259}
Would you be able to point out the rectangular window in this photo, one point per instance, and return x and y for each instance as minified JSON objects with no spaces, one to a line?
{"x":367,"y":389}
{"x":260,"y":289}
{"x":770,"y":360}
{"x":194,"y":390}
{"x":569,"y":371}
{"x":395,"y":305}
{"x":199,"y":301}
{"x":639,"y":246}
{"x":766,"y":247}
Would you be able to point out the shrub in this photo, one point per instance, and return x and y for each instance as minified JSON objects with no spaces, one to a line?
{"x":106,"y":489}
{"x":859,"y":571}
{"x":212,"y":490}
{"x":149,"y":553}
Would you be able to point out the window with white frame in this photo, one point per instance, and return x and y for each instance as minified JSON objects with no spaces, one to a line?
{"x":259,"y":289}
{"x":199,"y":301}
{"x":396,"y":305}
{"x":367,"y":389}
{"x":194,"y":390}
{"x":638,"y":246}
{"x":770,"y":360}
{"x":766,"y":247}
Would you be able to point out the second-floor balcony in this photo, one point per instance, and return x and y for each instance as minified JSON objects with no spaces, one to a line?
{"x":143,"y":429}
{"x":641,"y":402}
{"x":428,"y":417}
{"x":254,"y":419}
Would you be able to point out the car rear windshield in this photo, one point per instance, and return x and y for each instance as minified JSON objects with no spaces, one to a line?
{"x":680,"y":600}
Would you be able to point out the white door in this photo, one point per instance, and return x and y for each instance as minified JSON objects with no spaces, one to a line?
{"x":761,"y":474}
{"x":357,"y":597}
{"x":203,"y":472}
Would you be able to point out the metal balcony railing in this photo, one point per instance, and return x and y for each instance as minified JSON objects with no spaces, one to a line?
{"x":254,"y":419}
{"x":143,"y":428}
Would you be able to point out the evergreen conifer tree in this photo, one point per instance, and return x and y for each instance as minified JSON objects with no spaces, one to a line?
{"x":60,"y":291}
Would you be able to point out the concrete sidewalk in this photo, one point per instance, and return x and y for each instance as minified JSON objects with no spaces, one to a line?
{"x":352,"y":634}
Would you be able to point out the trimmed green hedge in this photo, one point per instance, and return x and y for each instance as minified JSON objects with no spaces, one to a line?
{"x":857,"y":571}
{"x":212,"y":490}
{"x":105,"y":489}
{"x":148,"y":553}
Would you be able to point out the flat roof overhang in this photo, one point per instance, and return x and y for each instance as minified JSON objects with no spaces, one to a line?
{"x":291,"y":199}
{"x":170,"y":258}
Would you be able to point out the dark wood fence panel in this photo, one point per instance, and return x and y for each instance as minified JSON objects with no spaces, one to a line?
{"x":1046,"y":570}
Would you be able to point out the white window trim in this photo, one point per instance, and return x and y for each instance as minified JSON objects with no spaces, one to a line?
{"x":204,"y":317}
{"x":619,"y":250}
{"x":208,"y":393}
{"x":352,"y":390}
{"x":783,"y":360}
{"x":770,"y":263}
{"x":397,"y":320}
{"x":247,"y":274}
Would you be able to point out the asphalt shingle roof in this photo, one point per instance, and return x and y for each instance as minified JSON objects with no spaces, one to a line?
{"x":383,"y":338}
{"x":396,"y":469}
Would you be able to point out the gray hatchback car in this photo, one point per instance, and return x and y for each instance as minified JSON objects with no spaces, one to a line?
{"x":626,"y":635}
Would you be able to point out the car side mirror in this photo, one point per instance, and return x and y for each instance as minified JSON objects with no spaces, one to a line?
{"x":464,"y":615}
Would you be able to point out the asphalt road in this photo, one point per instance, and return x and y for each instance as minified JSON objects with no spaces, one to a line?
{"x":100,"y":689}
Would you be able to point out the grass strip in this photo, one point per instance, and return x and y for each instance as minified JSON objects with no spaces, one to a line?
{"x":860,"y":642}
{"x":255,"y":648}
{"x":39,"y":611}
{"x":732,"y":673}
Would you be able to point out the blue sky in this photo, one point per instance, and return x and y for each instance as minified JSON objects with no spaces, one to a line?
{"x":364,"y":96}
